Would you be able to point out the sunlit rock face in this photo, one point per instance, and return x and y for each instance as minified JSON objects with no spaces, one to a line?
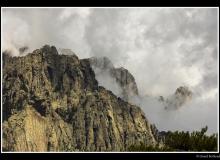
{"x":53,"y":102}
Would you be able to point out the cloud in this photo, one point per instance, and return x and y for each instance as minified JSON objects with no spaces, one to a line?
{"x":106,"y":80}
{"x":195,"y":114}
{"x":165,"y":41}
{"x":36,"y":27}
{"x":163,"y":48}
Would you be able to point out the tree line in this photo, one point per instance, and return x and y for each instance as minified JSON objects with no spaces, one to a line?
{"x":183,"y":141}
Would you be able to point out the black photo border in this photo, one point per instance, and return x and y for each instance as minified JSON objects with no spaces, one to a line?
{"x":108,"y":155}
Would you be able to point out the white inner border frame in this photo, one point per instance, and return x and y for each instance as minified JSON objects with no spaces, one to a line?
{"x":114,"y":7}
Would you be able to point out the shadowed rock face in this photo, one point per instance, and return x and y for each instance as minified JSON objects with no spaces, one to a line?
{"x":52,"y":102}
{"x":102,"y":62}
{"x":126,"y":85}
{"x":126,"y":81}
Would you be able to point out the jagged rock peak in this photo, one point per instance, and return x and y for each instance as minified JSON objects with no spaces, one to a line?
{"x":126,"y":80}
{"x":46,"y":49}
{"x":101,"y":62}
{"x":181,"y":96}
{"x":103,"y":67}
{"x":183,"y":91}
{"x":65,"y":51}
{"x":52,"y":102}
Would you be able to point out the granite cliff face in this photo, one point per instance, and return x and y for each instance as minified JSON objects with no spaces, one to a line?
{"x":53,"y":102}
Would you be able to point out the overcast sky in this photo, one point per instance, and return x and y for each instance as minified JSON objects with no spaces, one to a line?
{"x":163,"y":48}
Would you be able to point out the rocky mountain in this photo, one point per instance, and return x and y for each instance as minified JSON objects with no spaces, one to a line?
{"x":181,"y":96}
{"x":122,"y":82}
{"x":53,"y":102}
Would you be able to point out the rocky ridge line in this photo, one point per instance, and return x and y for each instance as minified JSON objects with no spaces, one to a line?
{"x":53,"y":102}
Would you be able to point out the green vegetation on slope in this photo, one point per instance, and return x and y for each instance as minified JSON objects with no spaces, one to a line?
{"x":183,"y":141}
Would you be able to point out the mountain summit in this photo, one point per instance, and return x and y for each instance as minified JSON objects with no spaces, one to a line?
{"x":125,"y":85}
{"x":53,"y":102}
{"x":181,"y":96}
